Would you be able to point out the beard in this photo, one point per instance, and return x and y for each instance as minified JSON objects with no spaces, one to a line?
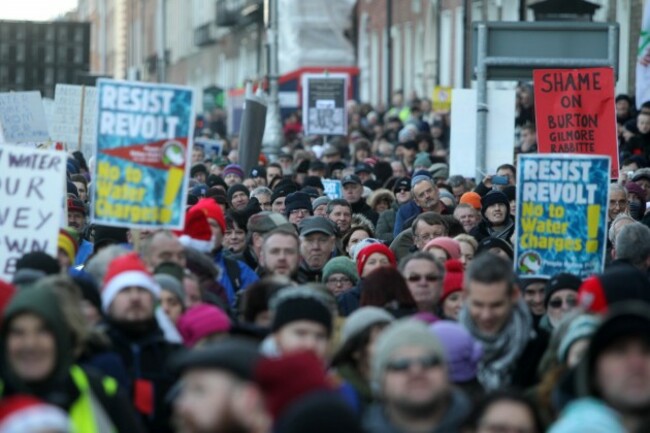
{"x":227,"y":424}
{"x":421,"y":409}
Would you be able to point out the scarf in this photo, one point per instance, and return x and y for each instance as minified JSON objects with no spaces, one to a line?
{"x":501,"y":352}
{"x":505,"y":233}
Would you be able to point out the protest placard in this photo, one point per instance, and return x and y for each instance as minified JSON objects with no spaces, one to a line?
{"x":561,"y":214}
{"x":144,"y":140}
{"x":500,"y":131}
{"x":333,"y":188}
{"x":31,"y":191}
{"x":441,"y":99}
{"x":75,"y":117}
{"x":323,"y":104}
{"x":211,"y":148}
{"x":22,"y":118}
{"x":575,"y":112}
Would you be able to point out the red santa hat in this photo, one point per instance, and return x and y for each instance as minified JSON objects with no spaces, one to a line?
{"x":26,"y":414}
{"x":126,"y":271}
{"x":211,"y":210}
{"x":197,"y":233}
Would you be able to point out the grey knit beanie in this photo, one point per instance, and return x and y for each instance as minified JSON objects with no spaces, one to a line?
{"x":172,"y":285}
{"x":362,"y":319}
{"x":402,"y":333}
{"x":341,"y":265}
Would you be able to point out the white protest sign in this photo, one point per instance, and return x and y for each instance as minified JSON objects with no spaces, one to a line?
{"x":22,"y":118}
{"x":211,"y":148}
{"x":333,"y":188}
{"x":75,"y":117}
{"x":500,"y":134}
{"x":323,"y":103}
{"x":31,"y":190}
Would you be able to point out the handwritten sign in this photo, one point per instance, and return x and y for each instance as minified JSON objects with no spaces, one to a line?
{"x":561,"y":214}
{"x":575,"y":112}
{"x":31,"y":190}
{"x":22,"y":118}
{"x":75,"y":116}
{"x":144,"y":139}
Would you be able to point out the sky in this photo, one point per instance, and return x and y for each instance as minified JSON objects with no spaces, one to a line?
{"x":34,"y":10}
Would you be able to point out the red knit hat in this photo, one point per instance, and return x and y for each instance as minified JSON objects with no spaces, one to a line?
{"x":213,"y":211}
{"x":24,"y":413}
{"x":447,"y":244}
{"x":282,"y":386}
{"x":197,"y":232}
{"x":201,"y":321}
{"x":453,"y":281}
{"x":126,"y":271}
{"x":367,"y":251}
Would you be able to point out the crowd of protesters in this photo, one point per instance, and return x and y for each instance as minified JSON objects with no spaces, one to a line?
{"x":392,"y":309}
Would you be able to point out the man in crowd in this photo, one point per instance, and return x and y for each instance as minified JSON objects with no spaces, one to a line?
{"x":217,"y":392}
{"x":129,"y":295}
{"x":424,"y":276}
{"x":280,"y":253}
{"x":614,"y":376}
{"x":411,"y":379}
{"x":162,"y":246}
{"x":353,"y":194}
{"x":339,"y":211}
{"x":258,"y":225}
{"x":426,"y":198}
{"x":297,"y":207}
{"x":317,"y":243}
{"x":498,"y":318}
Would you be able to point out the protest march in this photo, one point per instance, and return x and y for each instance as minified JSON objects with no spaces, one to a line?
{"x":377,"y":273}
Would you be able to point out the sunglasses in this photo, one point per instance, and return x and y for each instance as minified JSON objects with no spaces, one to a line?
{"x":414,"y":278}
{"x":557,"y":302}
{"x":405,"y":364}
{"x":400,"y":190}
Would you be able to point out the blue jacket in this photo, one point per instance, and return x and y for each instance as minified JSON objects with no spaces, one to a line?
{"x":588,"y":415}
{"x":85,"y":251}
{"x":247,"y":276}
{"x":405,"y":212}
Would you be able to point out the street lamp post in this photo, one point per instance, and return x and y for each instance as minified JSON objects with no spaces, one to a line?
{"x":272,"y":139}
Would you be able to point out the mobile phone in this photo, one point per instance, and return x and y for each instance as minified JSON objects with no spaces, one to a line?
{"x":500,"y":180}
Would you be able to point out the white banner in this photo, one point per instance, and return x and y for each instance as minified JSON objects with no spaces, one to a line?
{"x":31,"y":192}
{"x":500,"y":133}
{"x":22,"y":118}
{"x":75,"y":117}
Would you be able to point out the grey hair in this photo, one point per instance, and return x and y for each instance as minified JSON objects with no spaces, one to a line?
{"x":96,"y":266}
{"x":633,"y":243}
{"x":613,"y":230}
{"x":617,"y":187}
{"x":260,"y":190}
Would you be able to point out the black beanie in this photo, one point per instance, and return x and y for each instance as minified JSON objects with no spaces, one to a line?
{"x":494,"y":197}
{"x":198,"y":168}
{"x":283,"y":189}
{"x":561,"y":281}
{"x":300,"y":303}
{"x":39,"y":261}
{"x":492,"y":242}
{"x":314,"y":181}
{"x":237,"y":188}
{"x":319,"y":412}
{"x":298,"y":200}
{"x":89,"y":290}
{"x":117,"y":235}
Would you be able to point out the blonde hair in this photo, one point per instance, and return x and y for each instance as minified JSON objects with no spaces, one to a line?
{"x":468,"y":240}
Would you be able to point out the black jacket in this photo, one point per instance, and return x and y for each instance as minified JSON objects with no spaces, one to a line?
{"x":362,"y":207}
{"x":145,"y":353}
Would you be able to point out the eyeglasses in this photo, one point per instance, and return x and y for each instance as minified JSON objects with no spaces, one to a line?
{"x":619,"y":203}
{"x":301,"y":212}
{"x":497,"y":427}
{"x":414,"y":278}
{"x":401,"y":190}
{"x":405,"y":364}
{"x":339,"y":281}
{"x":557,"y":302}
{"x":427,"y":237}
